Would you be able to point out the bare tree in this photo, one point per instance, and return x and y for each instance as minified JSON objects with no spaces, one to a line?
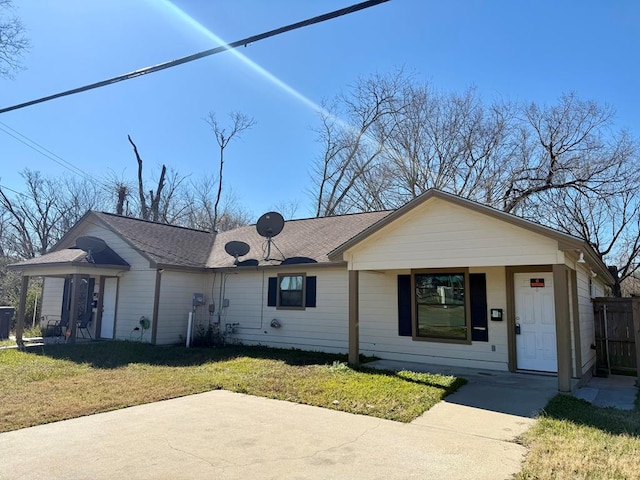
{"x":13,"y":42}
{"x":35,"y":220}
{"x":564,"y":164}
{"x":354,"y":131}
{"x":565,"y":146}
{"x":201,"y":198}
{"x":152,"y":210}
{"x":224,"y":135}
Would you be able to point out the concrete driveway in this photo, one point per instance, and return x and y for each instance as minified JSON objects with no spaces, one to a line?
{"x":225,"y":435}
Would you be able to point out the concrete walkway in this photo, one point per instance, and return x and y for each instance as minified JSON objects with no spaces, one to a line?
{"x":617,"y":391}
{"x":226,"y":435}
{"x":496,"y":405}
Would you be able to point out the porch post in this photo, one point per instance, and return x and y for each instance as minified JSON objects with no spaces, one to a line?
{"x":99,"y":308}
{"x":73,"y":310}
{"x":563,"y":327}
{"x":354,"y":320}
{"x":22,"y":310}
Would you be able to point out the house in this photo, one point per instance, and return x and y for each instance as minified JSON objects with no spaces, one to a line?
{"x":441,"y":280}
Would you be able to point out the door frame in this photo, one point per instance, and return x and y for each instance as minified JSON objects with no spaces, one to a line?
{"x":565,"y":308}
{"x":522,"y":289}
{"x":103,"y":280}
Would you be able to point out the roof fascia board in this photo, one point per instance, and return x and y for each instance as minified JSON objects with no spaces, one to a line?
{"x":179,"y":268}
{"x":294,"y":266}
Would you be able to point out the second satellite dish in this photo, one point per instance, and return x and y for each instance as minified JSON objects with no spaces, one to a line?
{"x":270,"y":224}
{"x":236,"y":249}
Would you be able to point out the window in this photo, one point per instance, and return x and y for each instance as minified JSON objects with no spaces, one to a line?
{"x":440,"y":305}
{"x":292,"y":291}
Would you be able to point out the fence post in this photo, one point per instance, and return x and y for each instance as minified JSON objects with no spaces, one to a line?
{"x":635,"y":309}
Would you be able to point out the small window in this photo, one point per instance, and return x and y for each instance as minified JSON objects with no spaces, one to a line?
{"x":441,"y":306}
{"x":291,"y":291}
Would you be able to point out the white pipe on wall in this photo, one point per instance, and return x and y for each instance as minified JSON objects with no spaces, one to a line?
{"x":189,"y":324}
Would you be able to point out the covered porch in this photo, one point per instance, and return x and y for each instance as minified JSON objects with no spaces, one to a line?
{"x":82,"y":279}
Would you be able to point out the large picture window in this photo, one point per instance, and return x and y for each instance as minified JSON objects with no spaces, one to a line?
{"x":440,"y":302}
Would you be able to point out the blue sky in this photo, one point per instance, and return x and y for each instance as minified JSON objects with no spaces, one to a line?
{"x":507,"y":49}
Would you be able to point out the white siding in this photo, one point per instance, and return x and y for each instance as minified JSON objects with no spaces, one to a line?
{"x":440,"y":234}
{"x":176,"y":301}
{"x":379,"y":326}
{"x":321,"y":328}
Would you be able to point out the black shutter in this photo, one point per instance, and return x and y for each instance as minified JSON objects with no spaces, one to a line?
{"x":478,"y":300}
{"x":404,"y":305}
{"x":272,"y":294}
{"x":310,"y":293}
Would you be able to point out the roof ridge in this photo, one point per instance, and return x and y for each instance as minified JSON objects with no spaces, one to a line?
{"x":341,"y":215}
{"x":152,"y":222}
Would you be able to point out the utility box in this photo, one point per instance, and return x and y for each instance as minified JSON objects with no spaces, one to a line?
{"x":6,"y":318}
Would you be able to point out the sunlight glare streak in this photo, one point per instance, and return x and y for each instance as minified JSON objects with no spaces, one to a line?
{"x":193,"y":23}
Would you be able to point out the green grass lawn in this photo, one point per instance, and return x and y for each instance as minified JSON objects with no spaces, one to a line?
{"x":576,"y":440}
{"x":56,"y":382}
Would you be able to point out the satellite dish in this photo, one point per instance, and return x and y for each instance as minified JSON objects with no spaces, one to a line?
{"x":236,"y":249}
{"x":270,"y":224}
{"x":90,"y":245}
{"x":297,"y":260}
{"x":252,"y":262}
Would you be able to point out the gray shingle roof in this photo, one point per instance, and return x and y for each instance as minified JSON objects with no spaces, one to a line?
{"x":163,"y":244}
{"x":67,"y":255}
{"x":313,"y":238}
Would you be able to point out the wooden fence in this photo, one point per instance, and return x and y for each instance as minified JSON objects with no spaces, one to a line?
{"x":617,"y":325}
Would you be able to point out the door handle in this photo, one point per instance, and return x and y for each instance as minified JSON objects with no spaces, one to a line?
{"x":517,"y":329}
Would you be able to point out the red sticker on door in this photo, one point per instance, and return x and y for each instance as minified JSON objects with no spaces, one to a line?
{"x":536,"y":282}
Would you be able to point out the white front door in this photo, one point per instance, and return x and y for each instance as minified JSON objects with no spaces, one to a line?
{"x":109,"y":308}
{"x":535,"y":322}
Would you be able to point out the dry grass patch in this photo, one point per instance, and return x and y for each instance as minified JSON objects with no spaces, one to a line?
{"x":58,"y":382}
{"x":576,"y":440}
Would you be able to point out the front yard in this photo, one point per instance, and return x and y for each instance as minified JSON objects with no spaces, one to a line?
{"x":573,"y":439}
{"x":57,"y":382}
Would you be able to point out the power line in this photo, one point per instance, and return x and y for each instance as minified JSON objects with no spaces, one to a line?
{"x":44,"y":151}
{"x":199,"y":55}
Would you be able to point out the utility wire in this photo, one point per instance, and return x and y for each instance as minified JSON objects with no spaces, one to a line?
{"x":44,"y":151}
{"x":199,"y":55}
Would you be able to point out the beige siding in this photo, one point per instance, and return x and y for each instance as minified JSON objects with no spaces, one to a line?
{"x":176,"y":297}
{"x":585,"y":309}
{"x":323,"y":328}
{"x":135,"y":286}
{"x":440,"y":234}
{"x":379,"y":326}
{"x":52,"y":291}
